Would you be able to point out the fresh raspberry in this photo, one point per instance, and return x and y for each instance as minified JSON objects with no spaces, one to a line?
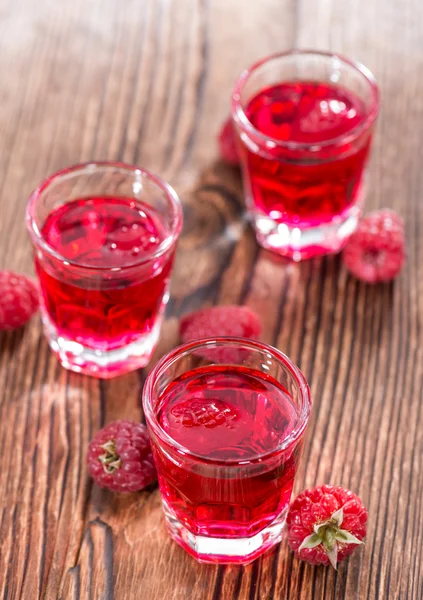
{"x":220,"y":321}
{"x":227,"y":143}
{"x":119,"y":457}
{"x":204,"y":412}
{"x":18,"y":299}
{"x":236,"y":321}
{"x":376,"y":250}
{"x":314,"y":524}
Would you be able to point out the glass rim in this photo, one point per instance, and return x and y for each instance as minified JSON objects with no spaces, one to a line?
{"x":170,"y":358}
{"x":86,"y":168}
{"x":239,"y":116}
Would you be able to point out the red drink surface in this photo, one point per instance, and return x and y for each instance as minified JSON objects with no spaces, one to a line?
{"x":303,"y":188}
{"x":104,"y":309}
{"x":223,"y":414}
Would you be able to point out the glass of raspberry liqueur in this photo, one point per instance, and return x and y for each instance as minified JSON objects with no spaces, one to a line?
{"x":226,"y":418}
{"x":104,"y":237}
{"x":304,"y":120}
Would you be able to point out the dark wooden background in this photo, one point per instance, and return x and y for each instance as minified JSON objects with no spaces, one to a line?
{"x":149,"y":83}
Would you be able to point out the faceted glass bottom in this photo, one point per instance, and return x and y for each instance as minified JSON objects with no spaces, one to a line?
{"x":298,"y":243}
{"x":238,"y":551}
{"x":103,"y":364}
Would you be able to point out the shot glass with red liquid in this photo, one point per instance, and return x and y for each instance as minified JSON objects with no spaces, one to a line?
{"x":226,"y":418}
{"x":104,"y":237}
{"x":304,"y":120}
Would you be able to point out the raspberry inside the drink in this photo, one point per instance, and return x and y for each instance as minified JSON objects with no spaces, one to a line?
{"x":104,"y":232}
{"x":231,"y":416}
{"x":298,"y":186}
{"x":107,"y":304}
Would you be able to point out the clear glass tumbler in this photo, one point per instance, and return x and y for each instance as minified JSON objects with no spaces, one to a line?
{"x":226,"y":418}
{"x":104,"y":238}
{"x":304,"y":120}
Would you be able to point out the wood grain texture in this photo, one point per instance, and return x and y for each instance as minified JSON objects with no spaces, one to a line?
{"x":149,"y":82}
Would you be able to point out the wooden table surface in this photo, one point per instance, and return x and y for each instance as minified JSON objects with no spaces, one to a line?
{"x":149,"y":83}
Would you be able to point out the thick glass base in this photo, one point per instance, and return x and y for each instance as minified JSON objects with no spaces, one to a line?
{"x":299,"y":243}
{"x":236,"y":551}
{"x":100,"y":363}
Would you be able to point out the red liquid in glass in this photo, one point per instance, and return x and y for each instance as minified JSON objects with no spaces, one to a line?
{"x":227,"y":413}
{"x":304,"y":188}
{"x":106,"y":309}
